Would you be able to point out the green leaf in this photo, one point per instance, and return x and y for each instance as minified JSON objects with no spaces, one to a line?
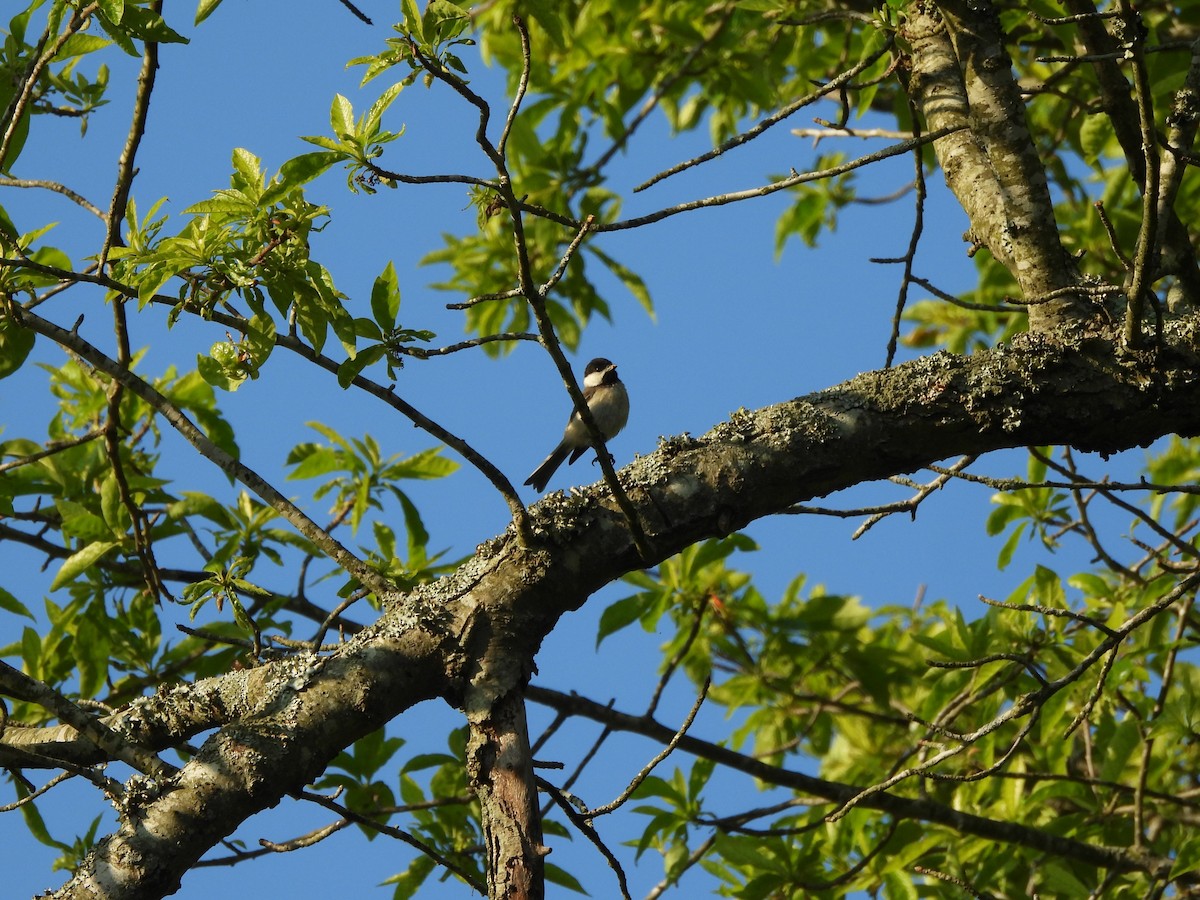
{"x":618,"y":615}
{"x":1094,"y":134}
{"x":632,"y":281}
{"x":223,"y":369}
{"x":116,"y":516}
{"x":80,"y":561}
{"x":351,"y":368}
{"x":304,"y":168}
{"x":1010,"y":547}
{"x":80,"y":45}
{"x":313,"y":461}
{"x":385,"y":298}
{"x":20,"y":133}
{"x":413,"y":19}
{"x":260,"y":340}
{"x":15,"y":345}
{"x":379,"y":107}
{"x":562,"y":878}
{"x":1187,"y":857}
{"x":91,"y":649}
{"x":1119,"y":748}
{"x":205,"y":8}
{"x":411,"y":879}
{"x":428,"y":761}
{"x":418,"y":536}
{"x":144,"y":23}
{"x":11,"y":604}
{"x":79,"y":521}
{"x":114,"y":9}
{"x":341,"y":117}
{"x":247,"y":168}
{"x":35,"y":823}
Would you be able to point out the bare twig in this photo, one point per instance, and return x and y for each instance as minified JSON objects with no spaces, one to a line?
{"x":1142,"y":273}
{"x":914,"y":239}
{"x":139,"y":524}
{"x":357,"y":13}
{"x":678,"y":657}
{"x":75,"y":198}
{"x":137,"y":128}
{"x":660,"y":90}
{"x":52,"y":448}
{"x":877,"y":513}
{"x":463,"y":90}
{"x":30,"y":797}
{"x":584,"y":824}
{"x":1051,"y":611}
{"x":673,"y":878}
{"x":1097,"y":692}
{"x":819,"y":134}
{"x":649,"y":767}
{"x":398,"y":833}
{"x":791,"y":181}
{"x":832,"y":86}
{"x":522,"y":84}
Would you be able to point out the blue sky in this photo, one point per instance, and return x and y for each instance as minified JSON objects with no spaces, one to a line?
{"x":734,"y":327}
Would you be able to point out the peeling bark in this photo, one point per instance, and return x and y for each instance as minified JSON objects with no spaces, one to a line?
{"x":500,"y":767}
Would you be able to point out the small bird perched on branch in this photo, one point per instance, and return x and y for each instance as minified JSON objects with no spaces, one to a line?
{"x":609,"y":404}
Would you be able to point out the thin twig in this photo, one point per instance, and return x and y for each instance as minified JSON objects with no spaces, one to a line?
{"x":75,"y":198}
{"x":29,"y":798}
{"x":914,"y":239}
{"x":660,"y":90}
{"x":137,"y":128}
{"x":791,"y":181}
{"x":832,"y":86}
{"x":819,"y":134}
{"x":1097,"y":692}
{"x":585,"y":826}
{"x":650,"y":766}
{"x":676,"y":873}
{"x":877,"y":513}
{"x":1056,"y":611}
{"x":1142,"y":274}
{"x":51,"y":449}
{"x":463,"y":90}
{"x":398,"y":833}
{"x":522,"y":84}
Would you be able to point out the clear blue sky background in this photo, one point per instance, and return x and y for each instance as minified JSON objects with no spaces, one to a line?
{"x":734,"y":327}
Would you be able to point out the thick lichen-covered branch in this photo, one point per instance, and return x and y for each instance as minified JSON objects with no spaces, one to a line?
{"x":471,"y":637}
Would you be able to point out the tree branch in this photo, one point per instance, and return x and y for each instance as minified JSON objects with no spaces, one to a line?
{"x":961,"y":75}
{"x":208,"y":449}
{"x":1118,"y":858}
{"x":471,"y":637}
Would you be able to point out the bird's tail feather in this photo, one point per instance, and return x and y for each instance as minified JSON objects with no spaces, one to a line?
{"x":542,"y":474}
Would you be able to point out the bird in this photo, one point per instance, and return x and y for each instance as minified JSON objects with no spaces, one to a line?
{"x":608,"y":401}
